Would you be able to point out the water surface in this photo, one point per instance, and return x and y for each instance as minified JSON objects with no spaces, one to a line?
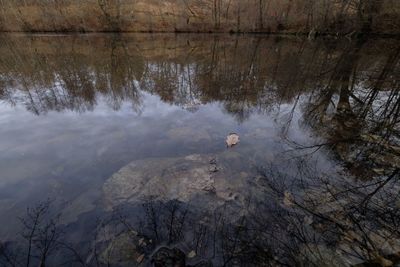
{"x":119,"y":140}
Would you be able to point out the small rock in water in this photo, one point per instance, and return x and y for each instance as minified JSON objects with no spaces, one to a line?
{"x":169,"y":257}
{"x":232,"y":139}
{"x":191,"y":254}
{"x":213,"y":165}
{"x":213,"y":168}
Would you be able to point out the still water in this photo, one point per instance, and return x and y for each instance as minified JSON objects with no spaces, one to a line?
{"x":113,"y":150}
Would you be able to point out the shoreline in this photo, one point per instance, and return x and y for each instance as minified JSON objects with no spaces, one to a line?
{"x":353,"y":35}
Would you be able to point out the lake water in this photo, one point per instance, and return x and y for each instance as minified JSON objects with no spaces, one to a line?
{"x":113,"y":150}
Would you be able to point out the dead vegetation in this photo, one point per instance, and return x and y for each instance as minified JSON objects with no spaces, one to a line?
{"x":344,"y":17}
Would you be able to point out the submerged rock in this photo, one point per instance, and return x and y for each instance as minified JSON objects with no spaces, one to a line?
{"x":166,"y":257}
{"x":122,"y":250}
{"x":80,"y":205}
{"x":182,"y":178}
{"x":202,"y":264}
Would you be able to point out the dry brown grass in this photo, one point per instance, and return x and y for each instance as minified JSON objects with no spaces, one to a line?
{"x":292,"y":16}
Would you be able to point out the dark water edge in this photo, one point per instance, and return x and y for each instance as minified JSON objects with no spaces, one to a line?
{"x":87,"y":118}
{"x":302,"y":34}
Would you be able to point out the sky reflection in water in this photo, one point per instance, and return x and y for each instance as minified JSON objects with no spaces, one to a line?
{"x":76,"y":109}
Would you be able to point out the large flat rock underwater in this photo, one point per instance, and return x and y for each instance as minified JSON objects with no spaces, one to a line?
{"x":203,"y":180}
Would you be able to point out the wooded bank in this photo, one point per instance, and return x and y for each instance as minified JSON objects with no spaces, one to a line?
{"x":343,"y":17}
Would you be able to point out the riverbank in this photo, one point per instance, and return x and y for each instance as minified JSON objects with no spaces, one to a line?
{"x":346,"y":18}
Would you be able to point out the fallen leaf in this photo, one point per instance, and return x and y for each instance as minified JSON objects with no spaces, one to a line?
{"x":381,"y":260}
{"x":379,"y":171}
{"x":288,"y":199}
{"x":142,"y":242}
{"x":140,"y":258}
{"x":232,"y":139}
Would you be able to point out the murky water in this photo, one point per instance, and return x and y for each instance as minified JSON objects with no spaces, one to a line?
{"x":116,"y":144}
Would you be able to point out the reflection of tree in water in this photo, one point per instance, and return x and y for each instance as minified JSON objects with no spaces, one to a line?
{"x":348,"y":94}
{"x":357,"y":111}
{"x":313,"y":221}
{"x":246,"y":74}
{"x":346,"y":98}
{"x":64,"y":79}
